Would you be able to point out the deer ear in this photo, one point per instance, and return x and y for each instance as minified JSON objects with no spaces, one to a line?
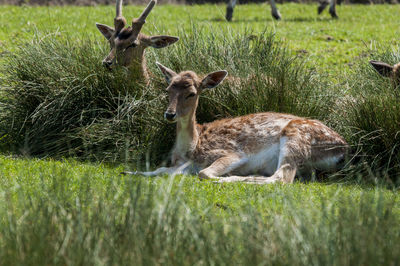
{"x":384,"y":69}
{"x":107,"y":31}
{"x":168,"y":73}
{"x":161,"y":41}
{"x":213,"y":79}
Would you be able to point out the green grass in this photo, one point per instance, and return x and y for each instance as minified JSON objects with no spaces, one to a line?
{"x":60,"y":105}
{"x":73,"y":213}
{"x":359,"y":26}
{"x":57,"y":104}
{"x":66,"y":212}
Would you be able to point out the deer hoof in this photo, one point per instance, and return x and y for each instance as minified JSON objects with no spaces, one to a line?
{"x":229,"y":13}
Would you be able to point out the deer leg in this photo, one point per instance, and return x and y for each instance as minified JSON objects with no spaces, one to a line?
{"x":221,"y":166}
{"x":322,"y":6}
{"x":228,"y":164}
{"x":274,"y":10}
{"x":259,"y":180}
{"x":332,"y":9}
{"x":293,"y":151}
{"x":229,"y":10}
{"x":175,"y":170}
{"x":285,"y":174}
{"x":159,"y":171}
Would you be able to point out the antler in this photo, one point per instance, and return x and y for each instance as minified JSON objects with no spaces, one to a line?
{"x":118,"y":8}
{"x":137,"y":23}
{"x":119,"y":20}
{"x":147,"y":11}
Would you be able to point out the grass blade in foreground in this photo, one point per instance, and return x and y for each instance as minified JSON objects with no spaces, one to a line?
{"x":70,"y":213}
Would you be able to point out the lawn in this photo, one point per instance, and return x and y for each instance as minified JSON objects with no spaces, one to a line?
{"x":329,"y":44}
{"x":68,"y":211}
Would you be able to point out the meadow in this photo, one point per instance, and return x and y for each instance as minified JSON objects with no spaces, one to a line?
{"x":333,"y":44}
{"x":68,"y":128}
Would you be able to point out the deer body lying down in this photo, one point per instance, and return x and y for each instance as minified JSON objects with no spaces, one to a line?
{"x":257,"y":148}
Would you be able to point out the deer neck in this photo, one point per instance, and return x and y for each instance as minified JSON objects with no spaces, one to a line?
{"x":186,"y":135}
{"x":138,"y":68}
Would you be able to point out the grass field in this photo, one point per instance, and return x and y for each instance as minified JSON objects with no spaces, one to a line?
{"x":68,"y":212}
{"x":330,"y":44}
{"x":73,"y":213}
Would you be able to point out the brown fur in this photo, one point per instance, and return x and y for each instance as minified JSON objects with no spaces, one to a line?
{"x":396,"y":74}
{"x":244,"y":135}
{"x":268,"y":144}
{"x":128,"y":44}
{"x":386,"y":70}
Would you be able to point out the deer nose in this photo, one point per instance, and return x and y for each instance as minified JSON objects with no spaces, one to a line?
{"x":170,"y":116}
{"x":107,"y":63}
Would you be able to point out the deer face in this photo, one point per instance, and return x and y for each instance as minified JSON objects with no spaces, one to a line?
{"x":184,"y":90}
{"x":128,"y":44}
{"x":386,"y":70}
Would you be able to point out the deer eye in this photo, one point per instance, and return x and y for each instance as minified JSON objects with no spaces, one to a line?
{"x":190,"y":95}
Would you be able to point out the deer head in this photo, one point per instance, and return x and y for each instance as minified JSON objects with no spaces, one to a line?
{"x":128,"y":44}
{"x":184,"y":90}
{"x":387,"y":70}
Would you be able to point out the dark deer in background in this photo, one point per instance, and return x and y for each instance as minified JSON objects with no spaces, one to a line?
{"x":386,"y":70}
{"x":275,"y":12}
{"x":128,"y":44}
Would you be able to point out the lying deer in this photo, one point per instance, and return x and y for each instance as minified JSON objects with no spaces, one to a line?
{"x":257,"y":148}
{"x":128,"y":44}
{"x":386,"y":70}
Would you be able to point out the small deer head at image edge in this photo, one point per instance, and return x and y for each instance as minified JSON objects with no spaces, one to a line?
{"x":127,"y":44}
{"x":386,"y":70}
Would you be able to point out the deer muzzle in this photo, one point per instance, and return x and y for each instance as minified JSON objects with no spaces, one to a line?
{"x":170,"y":116}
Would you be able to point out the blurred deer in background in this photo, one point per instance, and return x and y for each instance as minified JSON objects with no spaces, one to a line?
{"x":257,"y":148}
{"x":128,"y":44}
{"x":386,"y":70}
{"x":275,"y":12}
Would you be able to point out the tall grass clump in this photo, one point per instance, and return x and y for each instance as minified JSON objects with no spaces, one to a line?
{"x":60,"y":101}
{"x":266,"y":76}
{"x":371,"y":116}
{"x":64,"y":214}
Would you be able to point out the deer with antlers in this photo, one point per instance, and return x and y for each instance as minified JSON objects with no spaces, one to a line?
{"x":258,"y":148}
{"x":128,"y":44}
